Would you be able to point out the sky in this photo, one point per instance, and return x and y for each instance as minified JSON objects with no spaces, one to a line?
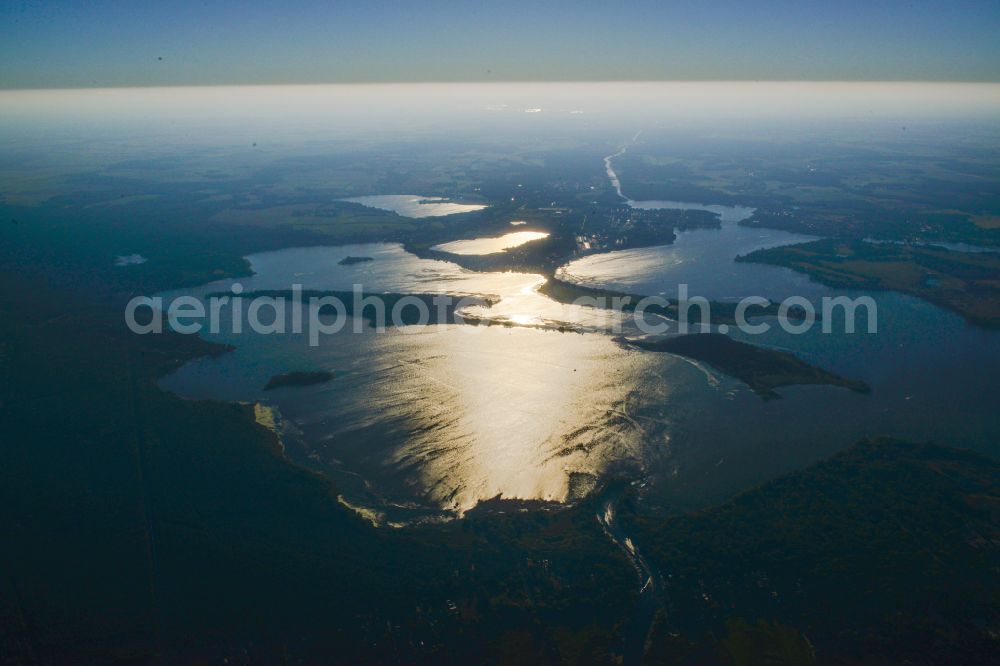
{"x":98,"y":43}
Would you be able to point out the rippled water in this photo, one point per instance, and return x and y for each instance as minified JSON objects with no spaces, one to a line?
{"x":421,"y":419}
{"x":394,"y":270}
{"x":932,"y":374}
{"x":424,"y":420}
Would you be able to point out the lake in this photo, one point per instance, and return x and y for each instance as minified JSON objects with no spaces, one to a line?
{"x":481,"y":246}
{"x":421,"y":423}
{"x":412,"y":205}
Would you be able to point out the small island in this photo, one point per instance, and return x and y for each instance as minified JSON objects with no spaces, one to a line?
{"x":762,"y":369}
{"x":720,"y":312}
{"x":350,"y":261}
{"x":299,"y":378}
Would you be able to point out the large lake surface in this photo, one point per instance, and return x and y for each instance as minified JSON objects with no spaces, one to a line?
{"x":490,"y":245}
{"x":422,"y":422}
{"x":702,"y":259}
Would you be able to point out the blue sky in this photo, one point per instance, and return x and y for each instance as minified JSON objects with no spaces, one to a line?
{"x":112,"y":43}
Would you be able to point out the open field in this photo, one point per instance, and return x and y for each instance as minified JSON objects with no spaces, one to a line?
{"x":965,"y":282}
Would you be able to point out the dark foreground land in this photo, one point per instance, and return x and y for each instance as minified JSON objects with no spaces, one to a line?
{"x":139,"y":527}
{"x":874,"y":556}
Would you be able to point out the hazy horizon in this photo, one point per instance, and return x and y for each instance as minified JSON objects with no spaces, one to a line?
{"x":475,"y":82}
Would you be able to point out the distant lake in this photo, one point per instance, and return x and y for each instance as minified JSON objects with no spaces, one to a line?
{"x":480,"y":246}
{"x":702,"y":259}
{"x":726,"y":213}
{"x":955,"y":247}
{"x":412,"y":205}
